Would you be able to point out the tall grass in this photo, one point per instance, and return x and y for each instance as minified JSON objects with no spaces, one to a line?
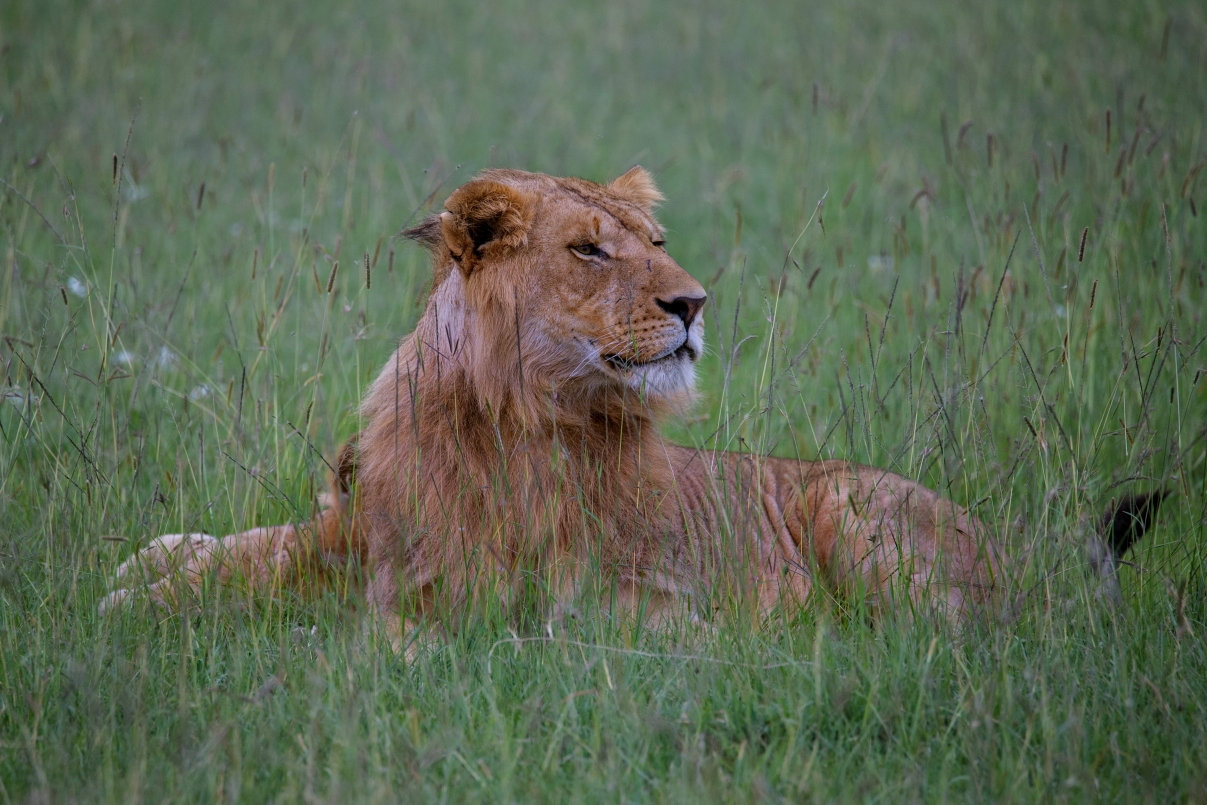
{"x":963,"y":243}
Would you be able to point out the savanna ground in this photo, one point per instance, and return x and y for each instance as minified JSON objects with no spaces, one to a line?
{"x":179,"y":181}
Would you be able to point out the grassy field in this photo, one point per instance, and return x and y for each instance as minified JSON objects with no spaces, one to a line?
{"x":1001,"y":293}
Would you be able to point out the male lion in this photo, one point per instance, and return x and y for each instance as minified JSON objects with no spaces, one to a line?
{"x":512,"y":440}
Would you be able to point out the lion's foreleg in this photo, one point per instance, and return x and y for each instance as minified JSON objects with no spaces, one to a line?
{"x":174,"y":569}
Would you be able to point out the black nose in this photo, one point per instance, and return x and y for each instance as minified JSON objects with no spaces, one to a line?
{"x":685,"y":307}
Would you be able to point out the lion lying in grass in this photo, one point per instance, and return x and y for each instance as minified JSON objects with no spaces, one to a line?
{"x":513,"y":439}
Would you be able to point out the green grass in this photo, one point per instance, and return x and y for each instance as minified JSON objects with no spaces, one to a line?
{"x":163,"y":347}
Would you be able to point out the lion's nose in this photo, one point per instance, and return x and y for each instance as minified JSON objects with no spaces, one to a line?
{"x":685,"y":307}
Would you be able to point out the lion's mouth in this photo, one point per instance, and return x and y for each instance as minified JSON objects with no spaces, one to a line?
{"x":684,"y":350}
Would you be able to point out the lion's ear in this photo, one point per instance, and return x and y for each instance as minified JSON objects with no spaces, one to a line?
{"x":426,"y":232}
{"x":482,"y":213}
{"x":637,"y":186}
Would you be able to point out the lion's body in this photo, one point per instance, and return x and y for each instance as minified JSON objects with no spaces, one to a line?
{"x":515,"y":435}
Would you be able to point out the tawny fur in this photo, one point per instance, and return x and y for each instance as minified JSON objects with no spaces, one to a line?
{"x":514,"y":435}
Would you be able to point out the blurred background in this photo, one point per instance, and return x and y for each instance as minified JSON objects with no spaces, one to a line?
{"x":964,"y":241}
{"x":181,"y":178}
{"x":847,"y":180}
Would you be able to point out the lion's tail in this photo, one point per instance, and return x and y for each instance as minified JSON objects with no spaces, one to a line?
{"x":1121,"y":526}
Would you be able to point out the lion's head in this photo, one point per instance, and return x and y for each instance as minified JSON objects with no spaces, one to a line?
{"x":578,"y":275}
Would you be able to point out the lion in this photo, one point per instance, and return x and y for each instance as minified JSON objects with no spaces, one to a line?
{"x":513,"y":439}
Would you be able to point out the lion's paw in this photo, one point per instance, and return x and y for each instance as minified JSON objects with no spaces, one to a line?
{"x":152,"y":569}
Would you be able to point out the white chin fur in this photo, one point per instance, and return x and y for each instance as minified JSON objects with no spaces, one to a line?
{"x":674,"y":378}
{"x":664,"y":379}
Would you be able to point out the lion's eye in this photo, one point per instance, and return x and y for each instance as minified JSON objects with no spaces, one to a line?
{"x":586,"y":250}
{"x":659,"y":242}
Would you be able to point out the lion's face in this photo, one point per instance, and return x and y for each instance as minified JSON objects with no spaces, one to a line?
{"x":605,"y":289}
{"x":582,"y":271}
